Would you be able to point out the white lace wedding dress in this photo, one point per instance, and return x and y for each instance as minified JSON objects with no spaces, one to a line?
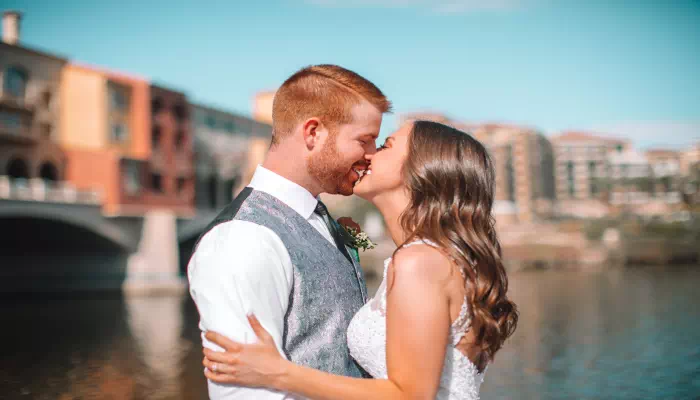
{"x":460,"y":379}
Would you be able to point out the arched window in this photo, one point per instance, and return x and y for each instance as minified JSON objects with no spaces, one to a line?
{"x":15,"y":83}
{"x":48,"y":172}
{"x":18,"y":169}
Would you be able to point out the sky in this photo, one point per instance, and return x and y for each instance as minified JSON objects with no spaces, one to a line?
{"x":625,"y":68}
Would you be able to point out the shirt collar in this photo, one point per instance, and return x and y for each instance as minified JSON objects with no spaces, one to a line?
{"x":288,"y":192}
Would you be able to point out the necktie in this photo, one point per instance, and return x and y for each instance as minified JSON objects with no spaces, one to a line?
{"x":334,"y":228}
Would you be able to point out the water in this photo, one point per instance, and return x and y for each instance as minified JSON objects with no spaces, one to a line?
{"x":619,"y":334}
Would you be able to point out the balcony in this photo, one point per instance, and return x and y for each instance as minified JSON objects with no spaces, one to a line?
{"x":15,"y":123}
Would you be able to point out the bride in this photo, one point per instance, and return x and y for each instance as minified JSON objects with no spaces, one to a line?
{"x":441,"y":313}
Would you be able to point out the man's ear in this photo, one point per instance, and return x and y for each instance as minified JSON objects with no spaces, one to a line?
{"x":312,"y":131}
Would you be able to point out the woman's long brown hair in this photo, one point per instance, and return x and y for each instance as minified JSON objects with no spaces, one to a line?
{"x":450,"y":178}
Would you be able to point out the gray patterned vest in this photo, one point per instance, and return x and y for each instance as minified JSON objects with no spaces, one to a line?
{"x":327,"y":291}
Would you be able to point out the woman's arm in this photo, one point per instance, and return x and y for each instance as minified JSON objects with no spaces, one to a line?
{"x":418,"y":323}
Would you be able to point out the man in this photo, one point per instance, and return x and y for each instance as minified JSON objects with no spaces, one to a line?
{"x":275,"y":251}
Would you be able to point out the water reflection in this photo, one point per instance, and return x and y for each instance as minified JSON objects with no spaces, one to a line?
{"x":624,"y":334}
{"x":156,"y":326}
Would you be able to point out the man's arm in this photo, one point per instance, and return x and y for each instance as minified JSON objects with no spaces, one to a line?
{"x":238,"y":268}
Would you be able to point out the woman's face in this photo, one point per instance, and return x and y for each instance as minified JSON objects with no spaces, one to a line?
{"x":384,"y":172}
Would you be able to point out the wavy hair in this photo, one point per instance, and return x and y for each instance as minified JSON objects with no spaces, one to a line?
{"x":450,"y":179}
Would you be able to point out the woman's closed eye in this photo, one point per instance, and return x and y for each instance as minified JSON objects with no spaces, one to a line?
{"x":382,"y":147}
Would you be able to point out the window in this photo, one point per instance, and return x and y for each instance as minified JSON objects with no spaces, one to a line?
{"x":48,"y":172}
{"x":15,"y":82}
{"x":132,"y":179}
{"x":10,"y":122}
{"x":180,"y":139}
{"x":45,"y":130}
{"x":211,"y":122}
{"x":118,"y":98}
{"x":156,"y":105}
{"x":46,"y":99}
{"x":229,"y":186}
{"x":592,"y":178}
{"x":119,"y":132}
{"x":181,"y":182}
{"x":571,"y":179}
{"x":180,"y":112}
{"x":157,"y":183}
{"x":230,"y":127}
{"x":156,"y":137}
{"x":212,"y":190}
{"x":510,"y":174}
{"x":17,"y":169}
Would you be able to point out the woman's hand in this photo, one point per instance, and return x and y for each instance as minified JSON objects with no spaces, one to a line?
{"x":254,"y":365}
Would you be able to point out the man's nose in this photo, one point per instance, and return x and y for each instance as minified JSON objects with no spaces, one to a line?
{"x":371,"y":149}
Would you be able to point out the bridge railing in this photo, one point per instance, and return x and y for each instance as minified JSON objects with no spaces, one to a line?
{"x":46,"y":191}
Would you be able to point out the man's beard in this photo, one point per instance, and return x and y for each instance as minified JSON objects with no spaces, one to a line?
{"x":328,"y":169}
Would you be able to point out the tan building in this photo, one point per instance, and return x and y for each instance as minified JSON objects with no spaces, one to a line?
{"x":262,"y":106}
{"x":29,"y":111}
{"x":524,"y":162}
{"x":689,"y":159}
{"x":106,"y":131}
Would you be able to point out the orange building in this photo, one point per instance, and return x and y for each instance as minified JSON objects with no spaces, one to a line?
{"x":106,"y":132}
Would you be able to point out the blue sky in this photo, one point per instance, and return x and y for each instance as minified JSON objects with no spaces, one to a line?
{"x":629,"y":68}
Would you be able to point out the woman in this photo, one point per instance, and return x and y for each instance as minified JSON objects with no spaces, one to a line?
{"x":441,"y":312}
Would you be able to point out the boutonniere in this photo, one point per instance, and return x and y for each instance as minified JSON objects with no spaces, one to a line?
{"x":353,"y":235}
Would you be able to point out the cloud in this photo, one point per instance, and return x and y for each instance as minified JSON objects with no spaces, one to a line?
{"x":438,"y":6}
{"x":657,"y":134}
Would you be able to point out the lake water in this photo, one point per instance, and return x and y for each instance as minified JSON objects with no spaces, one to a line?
{"x":619,"y":334}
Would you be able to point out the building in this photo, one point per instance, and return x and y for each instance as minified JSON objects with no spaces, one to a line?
{"x":171,"y":165}
{"x":262,"y":106}
{"x":630,"y":177}
{"x":582,"y":171}
{"x":690,"y":159}
{"x":664,"y":163}
{"x":666,"y":172}
{"x":225,"y":143}
{"x":524,"y":163}
{"x":106,"y":131}
{"x":29,"y":111}
{"x":582,"y":164}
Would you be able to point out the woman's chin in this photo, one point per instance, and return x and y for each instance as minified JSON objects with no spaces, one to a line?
{"x":360,"y":189}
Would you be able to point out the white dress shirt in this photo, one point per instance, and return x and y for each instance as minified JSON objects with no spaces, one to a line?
{"x":240,"y":267}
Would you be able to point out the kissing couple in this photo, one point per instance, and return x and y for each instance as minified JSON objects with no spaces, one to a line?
{"x":284,"y":310}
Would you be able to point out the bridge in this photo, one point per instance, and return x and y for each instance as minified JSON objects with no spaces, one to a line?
{"x":56,"y":238}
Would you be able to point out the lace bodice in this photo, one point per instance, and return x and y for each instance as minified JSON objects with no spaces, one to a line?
{"x":460,"y":379}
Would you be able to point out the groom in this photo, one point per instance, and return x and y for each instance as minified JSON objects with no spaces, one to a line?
{"x":275,"y":251}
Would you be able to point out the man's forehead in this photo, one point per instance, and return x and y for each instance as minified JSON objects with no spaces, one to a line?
{"x":365,"y":111}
